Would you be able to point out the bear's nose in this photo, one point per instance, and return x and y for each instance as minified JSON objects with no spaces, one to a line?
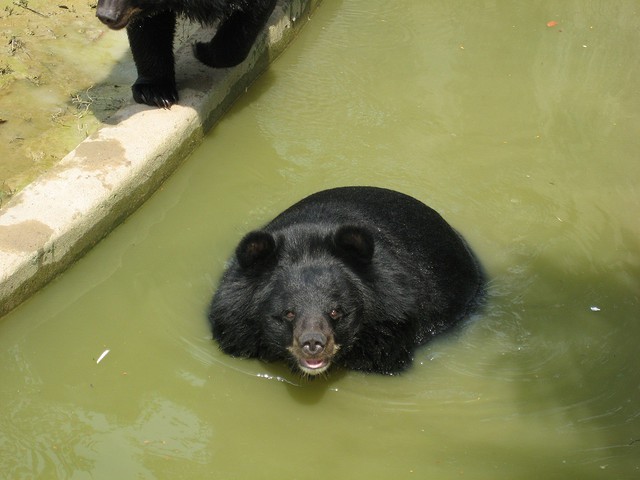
{"x":312,"y":343}
{"x":108,"y":16}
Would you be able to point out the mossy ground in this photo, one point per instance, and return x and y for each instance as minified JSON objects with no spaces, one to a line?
{"x":59,"y":79}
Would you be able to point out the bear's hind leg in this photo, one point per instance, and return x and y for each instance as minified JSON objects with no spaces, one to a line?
{"x":151,"y":41}
{"x":235,"y":36}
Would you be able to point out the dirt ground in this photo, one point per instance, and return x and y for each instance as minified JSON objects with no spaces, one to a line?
{"x":62,"y":73}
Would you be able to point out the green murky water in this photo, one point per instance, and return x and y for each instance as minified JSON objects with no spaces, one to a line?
{"x":525,"y":137}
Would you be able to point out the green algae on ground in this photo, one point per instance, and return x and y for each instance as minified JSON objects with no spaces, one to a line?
{"x":52,"y":97}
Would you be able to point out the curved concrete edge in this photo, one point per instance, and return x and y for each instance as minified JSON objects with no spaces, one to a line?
{"x":57,"y":218}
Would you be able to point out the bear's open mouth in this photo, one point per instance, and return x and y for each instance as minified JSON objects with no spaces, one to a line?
{"x":313,"y":366}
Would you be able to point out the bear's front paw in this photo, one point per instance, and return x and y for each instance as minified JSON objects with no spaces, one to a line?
{"x":215,"y":56}
{"x":161,"y":94}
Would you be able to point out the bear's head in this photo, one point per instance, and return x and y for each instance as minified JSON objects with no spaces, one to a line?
{"x":312,"y":295}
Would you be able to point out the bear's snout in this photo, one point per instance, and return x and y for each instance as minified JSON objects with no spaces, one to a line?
{"x":108,"y":17}
{"x":312,"y":343}
{"x":313,"y":347}
{"x":114,"y":15}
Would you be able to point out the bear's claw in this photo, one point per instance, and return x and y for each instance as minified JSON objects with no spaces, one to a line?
{"x":162,"y":95}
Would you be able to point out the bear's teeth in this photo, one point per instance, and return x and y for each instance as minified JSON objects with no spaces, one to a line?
{"x":313,"y":366}
{"x":314,"y":363}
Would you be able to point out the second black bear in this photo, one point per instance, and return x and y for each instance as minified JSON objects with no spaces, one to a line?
{"x":151,"y":25}
{"x":354,"y":276}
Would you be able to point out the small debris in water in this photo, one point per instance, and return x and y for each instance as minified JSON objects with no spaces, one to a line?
{"x":595,"y":309}
{"x":552,"y":23}
{"x":104,"y":354}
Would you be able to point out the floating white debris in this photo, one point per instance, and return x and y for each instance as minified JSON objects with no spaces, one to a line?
{"x":104,"y":354}
{"x":595,"y":309}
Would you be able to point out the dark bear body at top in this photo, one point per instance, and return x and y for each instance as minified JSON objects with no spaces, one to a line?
{"x":354,"y":276}
{"x":151,"y":24}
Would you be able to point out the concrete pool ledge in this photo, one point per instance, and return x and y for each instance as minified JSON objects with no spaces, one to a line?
{"x":60,"y":216}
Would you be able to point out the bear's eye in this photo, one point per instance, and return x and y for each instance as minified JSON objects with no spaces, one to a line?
{"x":335,"y":314}
{"x":289,"y":315}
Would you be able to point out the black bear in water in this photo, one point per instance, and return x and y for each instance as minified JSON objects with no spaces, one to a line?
{"x":151,"y":25}
{"x":353,"y":276}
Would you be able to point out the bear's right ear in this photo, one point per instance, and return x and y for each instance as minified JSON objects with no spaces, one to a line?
{"x":354,"y":243}
{"x":255,"y":249}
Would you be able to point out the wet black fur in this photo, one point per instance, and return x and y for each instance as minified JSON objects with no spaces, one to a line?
{"x":151,"y":25}
{"x":396,"y":270}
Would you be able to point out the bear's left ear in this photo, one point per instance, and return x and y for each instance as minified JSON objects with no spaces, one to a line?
{"x":255,"y":249}
{"x":354,"y":243}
